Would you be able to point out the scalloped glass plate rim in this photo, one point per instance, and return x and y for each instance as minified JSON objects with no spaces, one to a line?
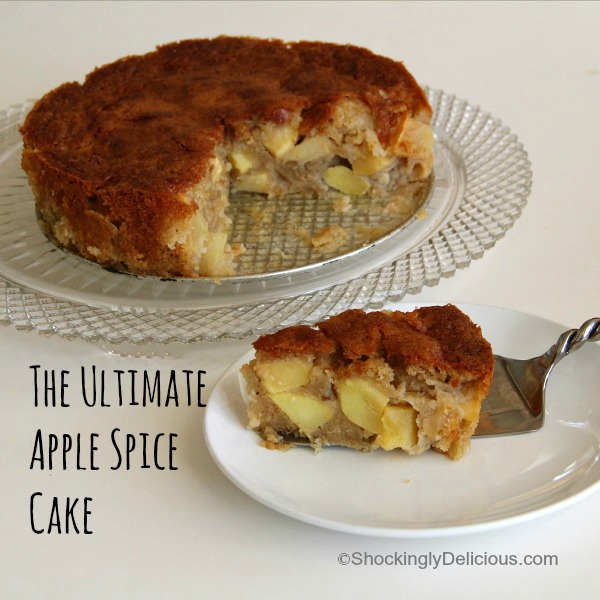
{"x":496,"y":186}
{"x":59,"y":274}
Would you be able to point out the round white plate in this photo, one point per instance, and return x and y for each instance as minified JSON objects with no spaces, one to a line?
{"x":500,"y":481}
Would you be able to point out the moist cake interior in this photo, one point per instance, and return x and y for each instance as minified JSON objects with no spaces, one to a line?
{"x":391,"y":380}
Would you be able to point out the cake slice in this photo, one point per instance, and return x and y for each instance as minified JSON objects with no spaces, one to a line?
{"x":370,"y":380}
{"x":134,"y":167}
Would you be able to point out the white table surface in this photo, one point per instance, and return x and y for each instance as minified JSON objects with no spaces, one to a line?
{"x":190,"y":533}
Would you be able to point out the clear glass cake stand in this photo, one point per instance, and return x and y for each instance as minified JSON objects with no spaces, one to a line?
{"x":482,"y":182}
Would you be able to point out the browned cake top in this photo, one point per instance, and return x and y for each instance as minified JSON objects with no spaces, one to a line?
{"x":299,"y":339}
{"x":152,"y":121}
{"x":440,"y":337}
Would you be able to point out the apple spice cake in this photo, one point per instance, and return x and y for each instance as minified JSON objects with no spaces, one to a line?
{"x":133,"y":168}
{"x":365,"y":380}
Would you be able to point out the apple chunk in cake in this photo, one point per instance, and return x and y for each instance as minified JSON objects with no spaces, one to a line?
{"x":370,"y":380}
{"x":342,"y":156}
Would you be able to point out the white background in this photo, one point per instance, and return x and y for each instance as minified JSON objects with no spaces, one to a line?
{"x":190,"y":533}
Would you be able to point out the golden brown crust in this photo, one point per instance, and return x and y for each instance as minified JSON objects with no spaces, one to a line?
{"x":441,"y":337}
{"x":298,"y":339}
{"x":131,"y":118}
{"x":355,"y":332}
{"x":82,"y":201}
{"x":462,"y":345}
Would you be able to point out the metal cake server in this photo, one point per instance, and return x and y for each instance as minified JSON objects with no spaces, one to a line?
{"x":515,"y":402}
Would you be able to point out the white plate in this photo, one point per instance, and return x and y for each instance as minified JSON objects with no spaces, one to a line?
{"x":500,"y":481}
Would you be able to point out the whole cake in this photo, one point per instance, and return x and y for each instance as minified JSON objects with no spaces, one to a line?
{"x":133,"y":168}
{"x":370,"y":380}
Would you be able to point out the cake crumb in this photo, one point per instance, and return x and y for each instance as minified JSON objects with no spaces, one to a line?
{"x":238,"y":249}
{"x":299,"y":232}
{"x":342,"y":204}
{"x":281,"y":446}
{"x":330,"y":238}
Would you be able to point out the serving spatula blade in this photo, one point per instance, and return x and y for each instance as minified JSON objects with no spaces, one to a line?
{"x":516,"y":400}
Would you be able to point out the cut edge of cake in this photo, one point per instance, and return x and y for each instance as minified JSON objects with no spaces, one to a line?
{"x":392,"y":380}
